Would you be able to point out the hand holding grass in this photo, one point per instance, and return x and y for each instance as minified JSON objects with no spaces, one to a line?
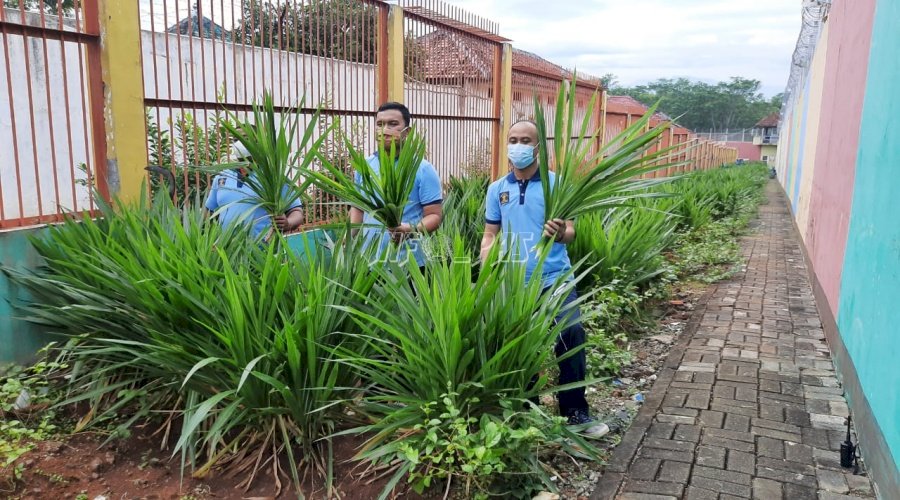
{"x":555,"y":229}
{"x":282,"y":223}
{"x":590,"y":178}
{"x":401,"y":232}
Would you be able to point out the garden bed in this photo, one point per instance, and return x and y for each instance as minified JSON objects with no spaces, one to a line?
{"x":257,"y":366}
{"x":136,"y":467}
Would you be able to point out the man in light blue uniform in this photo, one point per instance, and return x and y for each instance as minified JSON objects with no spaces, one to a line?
{"x":229,"y":198}
{"x":422,"y":213}
{"x":515,"y":208}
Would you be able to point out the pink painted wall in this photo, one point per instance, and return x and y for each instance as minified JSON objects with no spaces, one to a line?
{"x":745,"y":150}
{"x":850,"y":29}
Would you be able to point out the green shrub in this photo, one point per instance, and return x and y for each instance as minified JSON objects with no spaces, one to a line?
{"x":163,"y":311}
{"x":463,"y":210}
{"x":479,"y":342}
{"x":626,"y":244}
{"x":490,"y":455}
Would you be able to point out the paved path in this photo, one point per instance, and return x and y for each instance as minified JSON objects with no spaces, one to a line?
{"x":747,"y":405}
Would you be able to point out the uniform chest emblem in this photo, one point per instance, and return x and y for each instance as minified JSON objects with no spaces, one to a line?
{"x":504,"y":197}
{"x":221,"y":182}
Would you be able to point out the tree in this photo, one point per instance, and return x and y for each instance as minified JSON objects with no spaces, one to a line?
{"x":337,"y":29}
{"x":340,"y":29}
{"x":733,"y":104}
{"x":52,"y":7}
{"x":609,"y":80}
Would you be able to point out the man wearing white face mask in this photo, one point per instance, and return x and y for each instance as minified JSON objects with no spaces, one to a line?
{"x":515,"y":207}
{"x":422,"y":213}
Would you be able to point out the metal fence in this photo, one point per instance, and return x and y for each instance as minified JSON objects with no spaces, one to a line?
{"x":205,"y":61}
{"x":534,"y":79}
{"x":208,"y":61}
{"x":51,"y":113}
{"x":452,"y":84}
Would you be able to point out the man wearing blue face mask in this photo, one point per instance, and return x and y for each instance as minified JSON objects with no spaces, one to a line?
{"x":515,"y":207}
{"x":422,"y":213}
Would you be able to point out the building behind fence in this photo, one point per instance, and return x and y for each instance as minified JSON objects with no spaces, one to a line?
{"x":69,"y":116}
{"x":80,"y":119}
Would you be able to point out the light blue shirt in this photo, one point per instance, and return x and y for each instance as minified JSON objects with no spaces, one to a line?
{"x":518,"y":208}
{"x":426,"y":191}
{"x":232,"y":198}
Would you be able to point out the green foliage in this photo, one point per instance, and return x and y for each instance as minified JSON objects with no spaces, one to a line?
{"x":708,"y":254}
{"x":607,"y":353}
{"x":258,"y":353}
{"x":165,"y":312}
{"x":483,"y":340}
{"x":493,"y":455}
{"x":616,"y":311}
{"x":275,"y":172}
{"x":192,"y":146}
{"x":340,"y":29}
{"x":733,"y":104}
{"x":463,"y":211}
{"x":52,"y":7}
{"x":710,"y":209}
{"x":335,"y":149}
{"x":626,"y":243}
{"x":337,"y":29}
{"x":21,"y":425}
{"x":616,"y":306}
{"x":701,"y":197}
{"x":717,"y":204}
{"x":382,"y":191}
{"x":586,"y":180}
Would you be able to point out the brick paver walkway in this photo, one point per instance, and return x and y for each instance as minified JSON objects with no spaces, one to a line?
{"x":747,"y":405}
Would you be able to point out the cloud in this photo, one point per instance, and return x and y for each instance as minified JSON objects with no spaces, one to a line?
{"x":642,"y":40}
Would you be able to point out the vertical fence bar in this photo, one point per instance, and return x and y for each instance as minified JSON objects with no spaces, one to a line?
{"x":597,"y":122}
{"x":604,"y":97}
{"x":503,"y":100}
{"x":395,"y":57}
{"x":670,"y":155}
{"x":124,"y":97}
{"x":497,"y":141}
{"x":381,"y":62}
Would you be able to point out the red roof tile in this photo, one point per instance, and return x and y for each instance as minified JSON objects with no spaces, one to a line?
{"x":624,"y":105}
{"x":770,"y":121}
{"x":450,"y":55}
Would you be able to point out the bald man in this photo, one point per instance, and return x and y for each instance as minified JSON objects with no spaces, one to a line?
{"x":515,"y":207}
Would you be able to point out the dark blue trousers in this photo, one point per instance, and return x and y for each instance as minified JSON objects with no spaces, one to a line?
{"x":573,"y":368}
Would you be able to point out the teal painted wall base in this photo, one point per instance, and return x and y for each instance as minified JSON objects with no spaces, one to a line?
{"x":868,"y":315}
{"x":872,"y":443}
{"x":19,"y":340}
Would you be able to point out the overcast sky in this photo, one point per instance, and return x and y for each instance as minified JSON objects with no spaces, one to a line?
{"x":642,"y":40}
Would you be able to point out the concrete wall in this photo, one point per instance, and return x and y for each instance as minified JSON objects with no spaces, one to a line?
{"x":769,"y":151}
{"x":845,"y":74}
{"x":838,"y":163}
{"x":746,"y":150}
{"x":868,"y":316}
{"x":812,"y":114}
